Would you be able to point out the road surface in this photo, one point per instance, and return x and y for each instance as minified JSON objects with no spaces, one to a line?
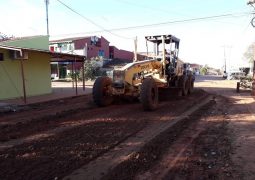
{"x":207,"y":134}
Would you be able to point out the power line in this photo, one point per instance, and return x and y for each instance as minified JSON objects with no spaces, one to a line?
{"x":89,"y":20}
{"x":176,"y":21}
{"x":152,"y":9}
{"x":171,"y":22}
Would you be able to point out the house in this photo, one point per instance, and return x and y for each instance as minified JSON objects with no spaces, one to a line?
{"x":120,"y":58}
{"x":116,"y":53}
{"x":91,"y":46}
{"x":25,"y":66}
{"x":196,"y":68}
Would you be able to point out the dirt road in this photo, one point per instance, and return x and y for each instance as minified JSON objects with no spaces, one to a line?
{"x":64,"y":137}
{"x":218,"y":145}
{"x":241,"y":122}
{"x":53,"y":139}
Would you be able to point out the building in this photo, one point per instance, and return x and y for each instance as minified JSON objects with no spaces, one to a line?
{"x":91,"y":46}
{"x":24,"y":67}
{"x":116,"y":53}
{"x":196,"y":68}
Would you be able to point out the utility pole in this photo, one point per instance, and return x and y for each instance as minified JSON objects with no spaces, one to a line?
{"x":251,"y":3}
{"x":225,"y":58}
{"x":135,"y":52}
{"x":253,"y":78}
{"x":47,"y":19}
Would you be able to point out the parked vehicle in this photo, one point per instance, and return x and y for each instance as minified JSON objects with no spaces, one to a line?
{"x":245,"y":83}
{"x":235,"y":75}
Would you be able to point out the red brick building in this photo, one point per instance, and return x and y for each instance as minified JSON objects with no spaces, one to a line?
{"x":91,"y":46}
{"x":116,"y":53}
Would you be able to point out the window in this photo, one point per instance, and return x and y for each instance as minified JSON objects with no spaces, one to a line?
{"x":1,"y":56}
{"x":70,"y":47}
{"x":64,"y":47}
{"x":101,"y":53}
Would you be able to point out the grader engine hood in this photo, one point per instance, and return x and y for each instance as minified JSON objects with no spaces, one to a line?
{"x":132,"y":73}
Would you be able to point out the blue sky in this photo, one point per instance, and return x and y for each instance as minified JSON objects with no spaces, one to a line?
{"x":201,"y":41}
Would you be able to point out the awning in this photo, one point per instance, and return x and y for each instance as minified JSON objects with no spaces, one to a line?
{"x":60,"y":57}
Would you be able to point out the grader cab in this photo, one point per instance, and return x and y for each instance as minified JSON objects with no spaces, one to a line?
{"x":142,"y":79}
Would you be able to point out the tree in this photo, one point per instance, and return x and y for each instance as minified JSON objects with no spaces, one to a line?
{"x":249,"y":53}
{"x":4,"y":37}
{"x":92,"y":70}
{"x":204,"y":70}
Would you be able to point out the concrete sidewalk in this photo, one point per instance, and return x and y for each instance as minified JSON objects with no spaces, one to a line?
{"x":59,"y":90}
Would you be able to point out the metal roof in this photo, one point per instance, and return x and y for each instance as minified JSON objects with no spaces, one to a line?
{"x":158,"y":39}
{"x":21,"y":38}
{"x":56,"y":56}
{"x":68,"y":39}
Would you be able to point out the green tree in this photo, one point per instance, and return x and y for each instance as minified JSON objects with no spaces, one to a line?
{"x":92,"y":70}
{"x":204,"y":70}
{"x":249,"y":53}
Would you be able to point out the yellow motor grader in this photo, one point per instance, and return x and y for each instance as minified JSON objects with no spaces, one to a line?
{"x":143,"y":78}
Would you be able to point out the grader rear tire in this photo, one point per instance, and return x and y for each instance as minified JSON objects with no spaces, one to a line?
{"x":149,"y":94}
{"x":184,"y":85}
{"x":191,"y":85}
{"x":101,"y":91}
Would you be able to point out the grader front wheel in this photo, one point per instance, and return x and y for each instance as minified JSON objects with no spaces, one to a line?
{"x":102,"y":91}
{"x":238,"y":87}
{"x":149,"y":94}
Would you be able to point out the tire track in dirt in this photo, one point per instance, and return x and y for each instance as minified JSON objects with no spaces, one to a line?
{"x":44,"y":127}
{"x":99,"y":167}
{"x":153,"y":150}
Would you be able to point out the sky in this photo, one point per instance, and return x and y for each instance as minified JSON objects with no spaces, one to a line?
{"x":201,"y":41}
